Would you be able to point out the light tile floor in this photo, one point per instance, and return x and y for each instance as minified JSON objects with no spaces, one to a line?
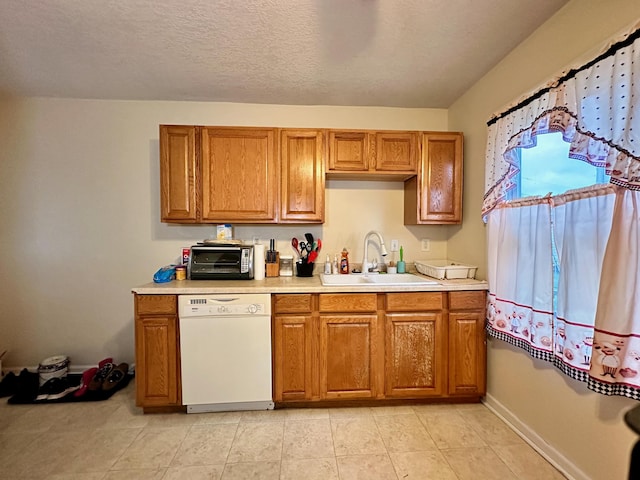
{"x":113,"y":440}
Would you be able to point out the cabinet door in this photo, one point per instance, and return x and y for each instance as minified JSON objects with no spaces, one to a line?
{"x":348,"y":151}
{"x":434,"y":196}
{"x":302,"y":172}
{"x":157,"y":361}
{"x":347,"y":356}
{"x":415,"y":354}
{"x":396,"y":152}
{"x":178,"y":167}
{"x":292,"y":357}
{"x":467,"y":353}
{"x":239,"y":175}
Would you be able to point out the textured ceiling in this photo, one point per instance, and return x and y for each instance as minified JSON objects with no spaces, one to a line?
{"x":402,"y":53}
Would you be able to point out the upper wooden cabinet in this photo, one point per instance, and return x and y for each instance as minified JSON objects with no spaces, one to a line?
{"x":434,"y":196}
{"x":363,"y":154}
{"x":270,"y":175}
{"x":236,"y":175}
{"x":239,"y":175}
{"x":178,"y":168}
{"x":302,"y":154}
{"x":396,"y":152}
{"x":218,"y":174}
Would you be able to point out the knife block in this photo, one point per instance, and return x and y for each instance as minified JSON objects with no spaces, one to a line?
{"x":273,"y":269}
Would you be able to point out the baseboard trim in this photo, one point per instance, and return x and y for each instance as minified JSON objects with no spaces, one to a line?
{"x":553,"y":456}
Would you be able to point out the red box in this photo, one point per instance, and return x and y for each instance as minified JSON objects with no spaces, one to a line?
{"x":185,"y":255}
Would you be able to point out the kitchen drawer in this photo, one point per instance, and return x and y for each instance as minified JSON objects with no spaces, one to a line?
{"x":297,"y":303}
{"x":414,"y":301}
{"x":467,"y":300}
{"x":348,"y":302}
{"x":156,"y":305}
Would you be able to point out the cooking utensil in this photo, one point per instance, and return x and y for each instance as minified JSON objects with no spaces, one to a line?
{"x":312,"y":257}
{"x":294,"y":244}
{"x":309,"y":238}
{"x":305,"y":249}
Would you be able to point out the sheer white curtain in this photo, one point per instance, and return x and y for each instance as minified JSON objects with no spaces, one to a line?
{"x":520,"y":266}
{"x":615,"y":367}
{"x":582,"y":223}
{"x":596,"y":334}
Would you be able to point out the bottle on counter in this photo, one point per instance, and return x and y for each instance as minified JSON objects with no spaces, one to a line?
{"x":344,"y":261}
{"x":401,"y":265}
{"x":327,"y":265}
{"x":335,"y":269}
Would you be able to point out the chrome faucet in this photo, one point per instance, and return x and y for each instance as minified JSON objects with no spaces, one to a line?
{"x":383,"y":249}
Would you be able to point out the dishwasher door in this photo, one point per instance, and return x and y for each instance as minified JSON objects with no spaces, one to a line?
{"x":225,"y":350}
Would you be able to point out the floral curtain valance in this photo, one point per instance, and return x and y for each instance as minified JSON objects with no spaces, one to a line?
{"x":595,"y":107}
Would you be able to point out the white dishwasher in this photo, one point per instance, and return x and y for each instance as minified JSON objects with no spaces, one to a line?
{"x":225,"y":351}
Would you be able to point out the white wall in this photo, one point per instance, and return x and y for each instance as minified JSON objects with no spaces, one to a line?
{"x":79,"y":189}
{"x":583,"y":430}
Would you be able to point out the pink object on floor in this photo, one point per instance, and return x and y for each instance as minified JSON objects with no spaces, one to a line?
{"x":87,"y":375}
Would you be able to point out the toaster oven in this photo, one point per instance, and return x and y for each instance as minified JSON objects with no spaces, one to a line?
{"x":220,"y":262}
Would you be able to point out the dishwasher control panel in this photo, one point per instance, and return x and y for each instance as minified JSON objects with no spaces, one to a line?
{"x":224,"y":305}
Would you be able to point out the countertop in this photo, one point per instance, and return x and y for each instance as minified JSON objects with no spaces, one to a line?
{"x":296,"y":285}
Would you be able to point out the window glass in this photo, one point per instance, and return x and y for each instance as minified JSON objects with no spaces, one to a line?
{"x":547,"y":168}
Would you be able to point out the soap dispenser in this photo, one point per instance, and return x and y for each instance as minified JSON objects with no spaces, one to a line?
{"x":327,"y":265}
{"x":344,"y":261}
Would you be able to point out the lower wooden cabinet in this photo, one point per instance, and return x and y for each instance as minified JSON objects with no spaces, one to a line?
{"x":467,"y":344}
{"x":415,"y":358}
{"x":354,"y":346}
{"x":293,"y":347}
{"x":157,"y":351}
{"x":348,"y":342}
{"x":292,"y":355}
{"x":333,"y":347}
{"x":347,"y":356}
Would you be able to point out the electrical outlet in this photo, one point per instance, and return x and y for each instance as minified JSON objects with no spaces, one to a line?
{"x":394,"y":245}
{"x":425,"y":245}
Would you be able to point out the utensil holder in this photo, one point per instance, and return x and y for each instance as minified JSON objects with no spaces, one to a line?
{"x":273,"y":269}
{"x":304,"y":269}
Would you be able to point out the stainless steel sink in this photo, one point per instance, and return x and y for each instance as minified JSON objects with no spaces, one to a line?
{"x":375,"y":279}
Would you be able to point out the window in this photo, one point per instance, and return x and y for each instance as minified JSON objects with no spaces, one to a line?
{"x":547,"y":168}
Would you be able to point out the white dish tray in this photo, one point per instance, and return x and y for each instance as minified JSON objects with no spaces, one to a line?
{"x":445,"y":269}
